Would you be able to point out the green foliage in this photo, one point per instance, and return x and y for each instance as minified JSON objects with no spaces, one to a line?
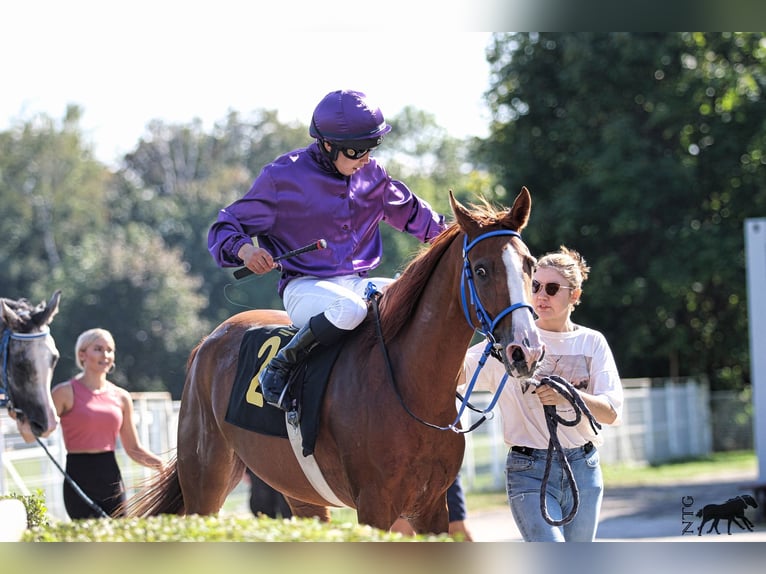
{"x":129,"y":249}
{"x":51,"y":191}
{"x":195,"y":528}
{"x":643,"y":152}
{"x":37,"y":512}
{"x":141,"y":291}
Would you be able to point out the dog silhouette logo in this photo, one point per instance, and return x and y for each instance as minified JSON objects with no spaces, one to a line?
{"x":730,"y":510}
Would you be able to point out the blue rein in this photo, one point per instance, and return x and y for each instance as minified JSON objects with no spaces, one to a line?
{"x":487,"y":328}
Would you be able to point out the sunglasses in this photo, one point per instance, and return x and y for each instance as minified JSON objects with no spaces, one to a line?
{"x":550,"y":288}
{"x":352,"y":153}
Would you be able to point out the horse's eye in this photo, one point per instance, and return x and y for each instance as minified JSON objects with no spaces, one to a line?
{"x":480,"y":271}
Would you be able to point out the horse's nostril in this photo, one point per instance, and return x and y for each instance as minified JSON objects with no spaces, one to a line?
{"x":517,"y":355}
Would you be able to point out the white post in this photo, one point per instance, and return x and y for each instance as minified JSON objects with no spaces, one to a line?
{"x":755,"y":248}
{"x":2,"y":457}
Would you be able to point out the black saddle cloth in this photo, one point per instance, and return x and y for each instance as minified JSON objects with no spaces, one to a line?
{"x":248,"y":410}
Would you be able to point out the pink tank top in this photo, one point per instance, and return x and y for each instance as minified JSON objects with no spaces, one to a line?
{"x":94,"y":421}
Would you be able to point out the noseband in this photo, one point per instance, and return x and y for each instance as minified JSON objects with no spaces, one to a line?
{"x":5,"y":343}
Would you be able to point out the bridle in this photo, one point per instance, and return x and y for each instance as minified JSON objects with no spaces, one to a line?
{"x":487,"y":327}
{"x":5,"y":349}
{"x":487,"y":323}
{"x":468,"y":293}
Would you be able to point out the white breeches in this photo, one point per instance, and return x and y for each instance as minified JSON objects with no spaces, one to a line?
{"x":341,"y":299}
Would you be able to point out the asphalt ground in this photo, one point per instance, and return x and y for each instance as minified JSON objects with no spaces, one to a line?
{"x":659,"y":513}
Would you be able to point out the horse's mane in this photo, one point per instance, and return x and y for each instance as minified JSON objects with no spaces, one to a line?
{"x":401,"y":297}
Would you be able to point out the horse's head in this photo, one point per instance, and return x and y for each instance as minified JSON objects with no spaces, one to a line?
{"x":28,"y":355}
{"x":749,"y":501}
{"x":497,"y":278}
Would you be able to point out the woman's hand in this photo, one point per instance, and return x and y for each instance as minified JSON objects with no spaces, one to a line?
{"x":548,"y":395}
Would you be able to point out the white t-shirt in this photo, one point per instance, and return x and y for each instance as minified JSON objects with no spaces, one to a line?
{"x":582,"y":357}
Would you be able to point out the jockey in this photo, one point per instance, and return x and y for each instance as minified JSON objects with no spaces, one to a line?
{"x":334,"y":190}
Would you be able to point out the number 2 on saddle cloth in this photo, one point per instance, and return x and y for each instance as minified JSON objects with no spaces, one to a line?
{"x":248,"y":410}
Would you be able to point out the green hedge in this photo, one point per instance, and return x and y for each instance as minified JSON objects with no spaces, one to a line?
{"x":229,"y":528}
{"x":37,"y":512}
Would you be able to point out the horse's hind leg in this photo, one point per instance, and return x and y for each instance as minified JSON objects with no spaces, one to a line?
{"x":208,"y":468}
{"x":305,"y":510}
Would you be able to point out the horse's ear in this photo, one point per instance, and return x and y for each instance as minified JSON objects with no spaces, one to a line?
{"x":462,"y":215}
{"x":518,"y":216}
{"x":46,"y":314}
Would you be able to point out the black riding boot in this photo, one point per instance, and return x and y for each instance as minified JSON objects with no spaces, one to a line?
{"x":274,"y":378}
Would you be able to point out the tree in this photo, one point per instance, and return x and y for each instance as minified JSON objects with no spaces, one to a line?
{"x":643,"y":152}
{"x":179,"y":177}
{"x":51,"y":189}
{"x":129,"y":282}
{"x":59,"y":233}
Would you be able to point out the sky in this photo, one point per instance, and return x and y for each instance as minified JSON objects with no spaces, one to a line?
{"x":126,"y":64}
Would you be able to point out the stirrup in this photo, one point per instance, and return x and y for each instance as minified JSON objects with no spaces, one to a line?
{"x":282,"y":402}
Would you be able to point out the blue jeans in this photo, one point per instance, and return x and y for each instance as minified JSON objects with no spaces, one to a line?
{"x":524,"y":479}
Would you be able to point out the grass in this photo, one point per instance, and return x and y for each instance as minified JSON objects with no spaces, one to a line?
{"x":716,"y":464}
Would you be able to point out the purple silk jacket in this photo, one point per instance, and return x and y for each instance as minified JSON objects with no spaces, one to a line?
{"x":300,"y":198}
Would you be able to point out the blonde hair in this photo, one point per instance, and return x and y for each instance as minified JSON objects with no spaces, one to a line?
{"x":570,"y":264}
{"x":86,"y":339}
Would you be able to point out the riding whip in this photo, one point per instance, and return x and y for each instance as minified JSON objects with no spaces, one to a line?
{"x":320,"y":244}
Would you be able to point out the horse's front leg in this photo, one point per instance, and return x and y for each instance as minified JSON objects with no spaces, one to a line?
{"x":433,"y":518}
{"x":735,"y":521}
{"x":374,"y":508}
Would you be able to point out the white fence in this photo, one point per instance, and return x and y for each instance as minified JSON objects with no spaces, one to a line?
{"x":660,"y":423}
{"x":25,"y":468}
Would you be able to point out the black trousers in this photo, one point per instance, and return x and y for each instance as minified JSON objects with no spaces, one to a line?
{"x":99,"y":477}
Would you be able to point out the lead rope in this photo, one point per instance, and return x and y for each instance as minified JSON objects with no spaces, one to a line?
{"x":552,"y":420}
{"x":95,"y":507}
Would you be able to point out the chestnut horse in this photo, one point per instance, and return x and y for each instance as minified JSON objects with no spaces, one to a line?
{"x":372,"y":448}
{"x":28,"y":355}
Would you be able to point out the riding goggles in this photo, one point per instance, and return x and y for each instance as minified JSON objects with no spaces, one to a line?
{"x":352,"y":153}
{"x":550,"y":288}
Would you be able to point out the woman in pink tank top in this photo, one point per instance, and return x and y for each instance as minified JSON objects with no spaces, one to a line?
{"x":94,"y":412}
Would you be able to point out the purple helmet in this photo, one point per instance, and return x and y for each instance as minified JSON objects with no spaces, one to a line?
{"x":347,"y":117}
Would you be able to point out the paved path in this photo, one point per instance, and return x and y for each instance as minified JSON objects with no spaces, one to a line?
{"x":643,"y":513}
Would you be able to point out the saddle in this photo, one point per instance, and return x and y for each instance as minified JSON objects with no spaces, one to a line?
{"x":308,"y":383}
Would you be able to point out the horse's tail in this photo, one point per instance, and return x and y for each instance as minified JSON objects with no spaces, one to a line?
{"x":699,"y":513}
{"x":160,"y":494}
